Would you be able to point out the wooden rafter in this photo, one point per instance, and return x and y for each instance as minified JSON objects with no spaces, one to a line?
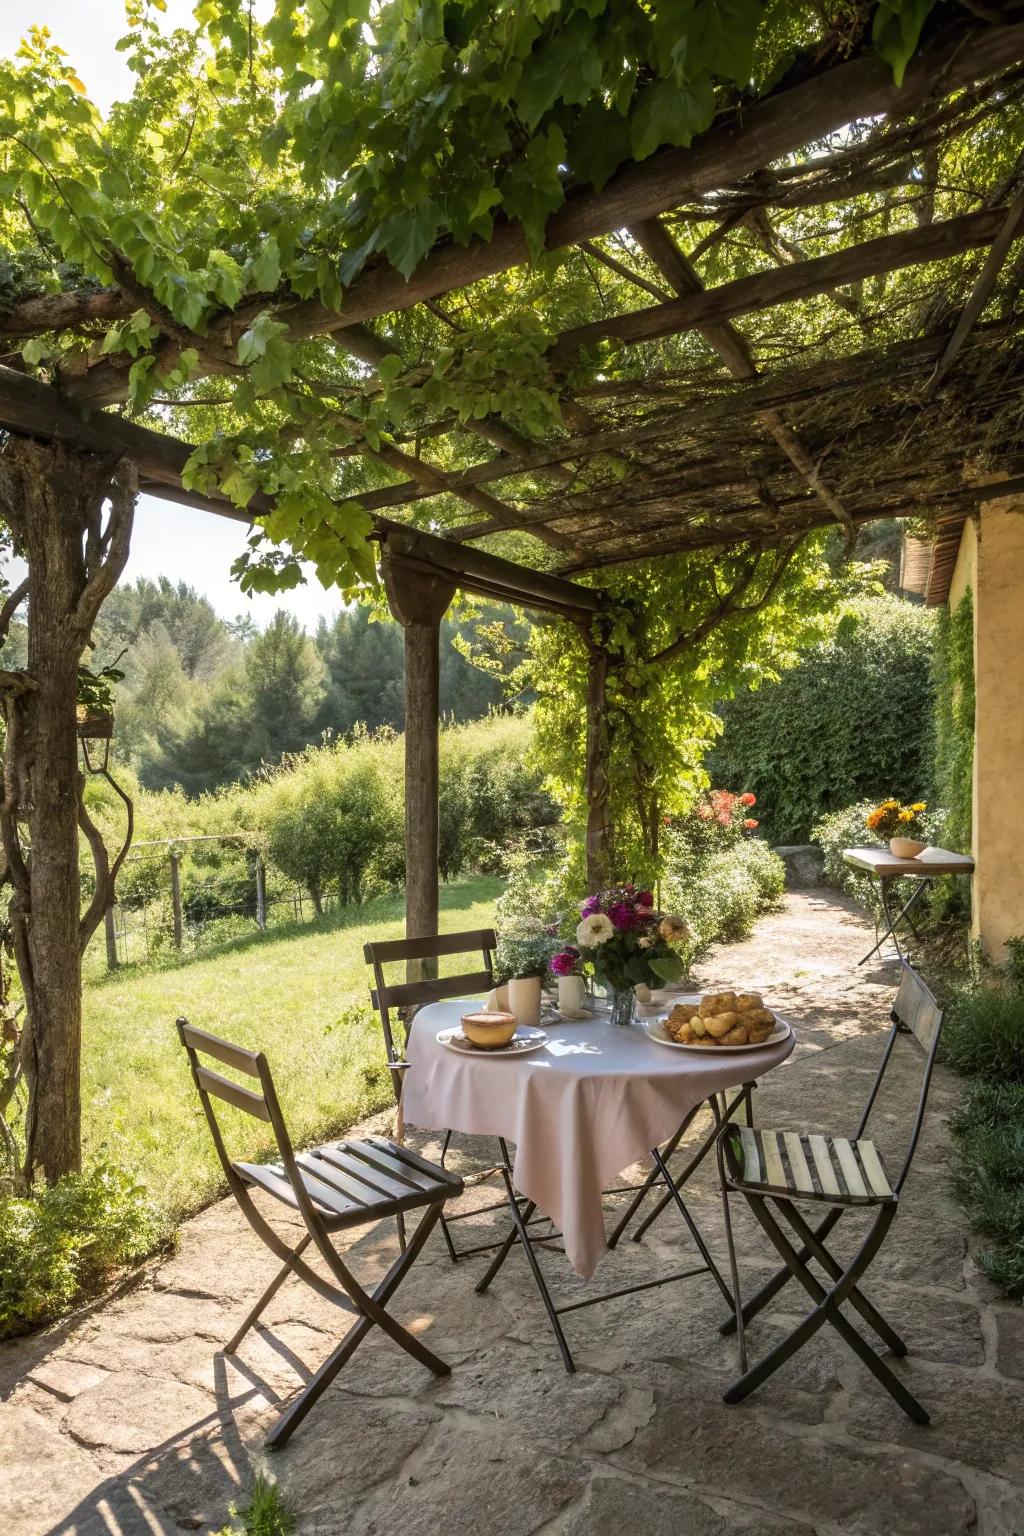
{"x":732,"y":149}
{"x":732,"y":348}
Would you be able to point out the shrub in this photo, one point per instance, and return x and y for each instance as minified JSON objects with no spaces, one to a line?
{"x":723,"y":897}
{"x":983,"y":1034}
{"x":61,"y":1244}
{"x":852,"y":719}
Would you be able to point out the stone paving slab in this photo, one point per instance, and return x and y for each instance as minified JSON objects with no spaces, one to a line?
{"x":129,"y":1420}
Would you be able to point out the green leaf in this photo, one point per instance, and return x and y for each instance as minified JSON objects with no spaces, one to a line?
{"x":668,"y":114}
{"x":390,"y":367}
{"x":600,"y":143}
{"x":36,"y":350}
{"x":896,"y":31}
{"x":667,"y":967}
{"x":532,"y":189}
{"x":407,"y":236}
{"x":566,"y":67}
{"x":265,"y":269}
{"x":228,"y":282}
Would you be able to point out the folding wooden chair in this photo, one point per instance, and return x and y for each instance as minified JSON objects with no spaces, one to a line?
{"x":403,"y":998}
{"x":335,"y":1187}
{"x":779,"y":1170}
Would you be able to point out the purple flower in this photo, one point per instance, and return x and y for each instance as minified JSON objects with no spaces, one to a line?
{"x":564,"y":963}
{"x":590,"y":906}
{"x":622,"y":915}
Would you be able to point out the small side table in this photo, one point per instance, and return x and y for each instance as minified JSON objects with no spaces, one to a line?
{"x":885,"y":867}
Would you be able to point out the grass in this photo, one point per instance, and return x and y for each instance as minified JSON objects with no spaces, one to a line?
{"x":299,"y":993}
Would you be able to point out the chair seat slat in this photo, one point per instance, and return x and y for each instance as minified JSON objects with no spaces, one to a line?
{"x":801,"y":1173}
{"x":824,"y":1166}
{"x":775,"y":1173}
{"x":874,"y":1169}
{"x":341,"y":1157}
{"x":410,"y":1162}
{"x":843,"y":1154}
{"x":356,"y":1190}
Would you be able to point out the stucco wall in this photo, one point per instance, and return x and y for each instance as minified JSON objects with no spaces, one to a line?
{"x":992,"y":562}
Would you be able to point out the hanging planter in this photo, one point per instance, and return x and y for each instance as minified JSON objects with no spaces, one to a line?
{"x":94,"y":711}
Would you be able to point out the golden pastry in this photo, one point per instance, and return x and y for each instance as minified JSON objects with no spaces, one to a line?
{"x":748,"y":1001}
{"x":720,"y":1024}
{"x":736,"y":1036}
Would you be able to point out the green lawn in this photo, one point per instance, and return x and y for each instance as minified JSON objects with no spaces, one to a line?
{"x":299,"y":993}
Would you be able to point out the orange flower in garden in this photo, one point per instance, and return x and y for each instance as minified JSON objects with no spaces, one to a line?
{"x":748,"y":799}
{"x":751,"y":823}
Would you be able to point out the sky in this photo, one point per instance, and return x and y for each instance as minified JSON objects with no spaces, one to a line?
{"x":169,"y":540}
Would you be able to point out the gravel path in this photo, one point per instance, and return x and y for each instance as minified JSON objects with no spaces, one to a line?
{"x":129,"y":1418}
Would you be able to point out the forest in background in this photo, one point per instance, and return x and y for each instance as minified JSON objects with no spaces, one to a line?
{"x":206,"y":701}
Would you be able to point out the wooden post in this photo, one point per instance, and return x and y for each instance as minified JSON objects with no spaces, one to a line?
{"x":261,"y":893}
{"x":419,"y":601}
{"x":111,"y":935}
{"x":598,"y":831}
{"x":176,"y":896}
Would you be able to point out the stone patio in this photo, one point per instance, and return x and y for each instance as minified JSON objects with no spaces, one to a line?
{"x":129,"y":1418}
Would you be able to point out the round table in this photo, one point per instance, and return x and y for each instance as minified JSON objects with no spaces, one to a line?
{"x":595,"y":1100}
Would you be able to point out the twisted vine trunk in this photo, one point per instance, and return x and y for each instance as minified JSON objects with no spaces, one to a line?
{"x":53,"y":499}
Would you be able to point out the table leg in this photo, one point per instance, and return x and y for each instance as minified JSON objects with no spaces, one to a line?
{"x":890,"y":932}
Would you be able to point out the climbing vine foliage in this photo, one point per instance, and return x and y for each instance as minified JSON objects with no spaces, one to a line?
{"x":256,"y":169}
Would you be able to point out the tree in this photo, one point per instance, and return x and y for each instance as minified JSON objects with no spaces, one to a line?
{"x":52,"y":499}
{"x":626,"y":708}
{"x":285,"y":680}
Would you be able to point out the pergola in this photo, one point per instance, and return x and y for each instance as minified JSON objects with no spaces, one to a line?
{"x":884,"y":410}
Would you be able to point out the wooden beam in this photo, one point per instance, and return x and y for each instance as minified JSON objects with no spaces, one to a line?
{"x":732,"y":348}
{"x":33,"y":409}
{"x":419,"y":602}
{"x":783,"y":285}
{"x":744,"y":141}
{"x":982,"y":290}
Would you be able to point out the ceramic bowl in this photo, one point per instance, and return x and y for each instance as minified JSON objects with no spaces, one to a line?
{"x":906,"y":847}
{"x":489,"y":1030}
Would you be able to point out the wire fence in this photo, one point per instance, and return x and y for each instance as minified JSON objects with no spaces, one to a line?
{"x":187,"y":893}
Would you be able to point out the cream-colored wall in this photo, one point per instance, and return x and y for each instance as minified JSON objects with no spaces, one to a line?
{"x":991,"y":561}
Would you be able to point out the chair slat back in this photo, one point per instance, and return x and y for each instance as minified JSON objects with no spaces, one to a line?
{"x":386,"y":996}
{"x":221,"y":1050}
{"x":233,"y":1093}
{"x":916,"y":1009}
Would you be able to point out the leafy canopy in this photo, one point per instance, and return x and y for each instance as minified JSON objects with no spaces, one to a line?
{"x":257,"y":167}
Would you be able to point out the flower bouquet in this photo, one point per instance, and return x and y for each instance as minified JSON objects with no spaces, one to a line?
{"x":629,"y":944}
{"x":900,"y":824}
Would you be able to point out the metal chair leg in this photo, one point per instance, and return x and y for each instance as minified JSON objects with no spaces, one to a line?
{"x":693,"y":1229}
{"x":296,"y":1411}
{"x":780,"y":1279}
{"x":271,"y":1291}
{"x":833,"y":1269}
{"x":653,"y":1177}
{"x":726,"y":1113}
{"x":825,"y":1311}
{"x":733,"y":1266}
{"x":519,"y":1229}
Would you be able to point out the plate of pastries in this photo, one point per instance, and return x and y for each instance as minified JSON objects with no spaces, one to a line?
{"x":719,"y":1021}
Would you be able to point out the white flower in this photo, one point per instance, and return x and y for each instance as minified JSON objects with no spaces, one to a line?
{"x":594,"y":930}
{"x":646,"y":943}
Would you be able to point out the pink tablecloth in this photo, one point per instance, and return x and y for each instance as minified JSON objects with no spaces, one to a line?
{"x":596,"y":1099}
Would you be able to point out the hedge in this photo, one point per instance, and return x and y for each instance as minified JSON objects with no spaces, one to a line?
{"x":851,"y":721}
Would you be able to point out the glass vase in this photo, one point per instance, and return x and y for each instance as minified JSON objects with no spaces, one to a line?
{"x":623,"y":1004}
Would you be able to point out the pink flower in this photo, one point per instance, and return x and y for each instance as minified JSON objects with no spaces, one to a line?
{"x":623,"y":915}
{"x":645,"y":899}
{"x":748,"y":799}
{"x":564,"y":963}
{"x":590,"y":906}
{"x":751,"y":823}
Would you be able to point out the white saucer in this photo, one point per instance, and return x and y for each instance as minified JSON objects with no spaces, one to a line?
{"x":522,"y":1042}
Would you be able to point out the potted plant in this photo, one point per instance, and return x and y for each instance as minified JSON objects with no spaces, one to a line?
{"x":94,"y":708}
{"x":901,"y":824}
{"x":524,"y":950}
{"x":629,"y":944}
